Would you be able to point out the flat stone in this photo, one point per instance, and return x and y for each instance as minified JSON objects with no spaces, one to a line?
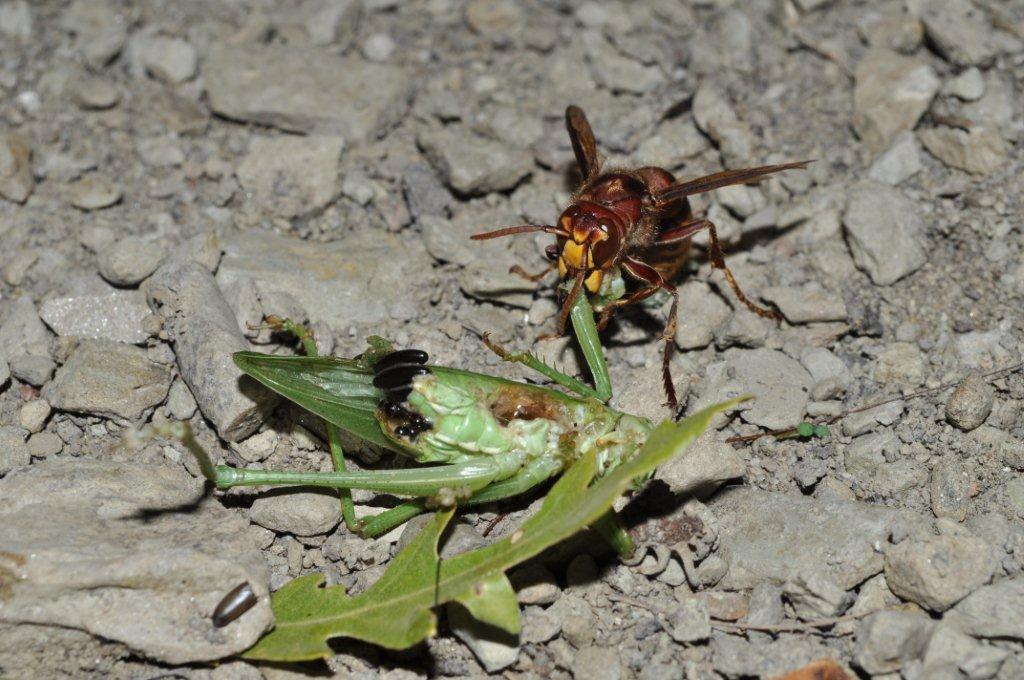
{"x":735,"y":657}
{"x":993,"y":611}
{"x":780,"y":386}
{"x":716,"y":116}
{"x":884,"y":231}
{"x":204,"y":331}
{"x":21,"y":331}
{"x":960,"y":31}
{"x":117,"y":317}
{"x":292,"y":176}
{"x":171,"y":60}
{"x":891,"y":93}
{"x":159,"y":152}
{"x":689,"y":621}
{"x":494,"y":648}
{"x":150,"y":585}
{"x":887,"y":640}
{"x":34,"y":414}
{"x":95,"y":93}
{"x":14,"y":452}
{"x":595,"y":661}
{"x":968,"y":86}
{"x":901,"y":363}
{"x":807,"y":304}
{"x":33,"y":369}
{"x":814,"y":594}
{"x":701,"y":313}
{"x":980,"y":151}
{"x":898,"y":163}
{"x":99,"y":28}
{"x":16,"y":179}
{"x":615,"y":71}
{"x":44,"y":444}
{"x":16,"y":20}
{"x":94,"y":192}
{"x":938,"y":571}
{"x":893,"y":28}
{"x":705,"y":465}
{"x":108,"y":379}
{"x":129,"y":261}
{"x":306,"y":90}
{"x":302,"y":513}
{"x":471,"y":164}
{"x":761,"y":532}
{"x":357,"y":280}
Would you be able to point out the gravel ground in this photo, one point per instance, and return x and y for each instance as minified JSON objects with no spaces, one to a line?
{"x":171,"y":172}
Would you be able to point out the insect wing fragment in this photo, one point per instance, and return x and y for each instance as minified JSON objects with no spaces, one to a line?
{"x":338,"y":390}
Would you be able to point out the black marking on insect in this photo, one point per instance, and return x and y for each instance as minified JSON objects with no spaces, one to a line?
{"x":402,"y":356}
{"x":240,"y":600}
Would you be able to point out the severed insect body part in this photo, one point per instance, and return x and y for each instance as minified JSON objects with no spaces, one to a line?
{"x":238,"y":601}
{"x":633,"y":222}
{"x":496,"y":438}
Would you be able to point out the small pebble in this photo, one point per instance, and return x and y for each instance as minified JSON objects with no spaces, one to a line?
{"x":32,"y":369}
{"x":970,"y":404}
{"x":33,"y":415}
{"x":44,"y":444}
{"x":129,"y":261}
{"x":93,"y":92}
{"x":94,"y":192}
{"x":378,"y":47}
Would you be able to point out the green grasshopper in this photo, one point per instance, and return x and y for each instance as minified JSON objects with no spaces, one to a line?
{"x":497,"y":438}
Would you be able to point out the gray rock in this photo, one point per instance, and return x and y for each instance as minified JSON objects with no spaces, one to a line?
{"x":765,"y":606}
{"x":893,"y":28}
{"x":495,"y":21}
{"x":883,"y":229}
{"x":357,"y":280}
{"x":171,"y":60}
{"x":701,"y":313}
{"x":482,"y":280}
{"x":16,"y":19}
{"x":205,"y":334}
{"x":995,"y":611}
{"x":577,"y":617}
{"x":831,"y":376}
{"x":14,"y":452}
{"x":159,"y":152}
{"x":936,"y":572}
{"x":129,"y":261}
{"x":688,"y":621}
{"x":762,"y":531}
{"x":534,"y":584}
{"x":99,"y":30}
{"x":888,"y":640}
{"x":814,"y":594}
{"x":968,"y":86}
{"x":898,"y":163}
{"x":1015,"y":496}
{"x":494,"y":648}
{"x":302,"y":513}
{"x":705,"y":465}
{"x":950,"y":489}
{"x":34,"y":414}
{"x":890,"y":94}
{"x":292,"y":176}
{"x":425,"y":194}
{"x":473,"y":165}
{"x":980,"y":151}
{"x":616,"y":72}
{"x":94,"y":192}
{"x":716,"y":116}
{"x":779,"y":385}
{"x":108,"y":379}
{"x":117,"y":317}
{"x":305,"y":90}
{"x":901,"y":363}
{"x":180,"y":402}
{"x":950,"y":650}
{"x":44,"y":444}
{"x":807,"y":304}
{"x":32,"y":368}
{"x":378,"y":47}
{"x":95,"y":93}
{"x":959,"y":31}
{"x":736,"y":658}
{"x":865,"y":457}
{"x":257,"y":447}
{"x":5,"y":373}
{"x":328,"y":22}
{"x":21,"y":331}
{"x":150,"y":585}
{"x":595,"y":661}
{"x":970,"y":404}
{"x":16,"y":180}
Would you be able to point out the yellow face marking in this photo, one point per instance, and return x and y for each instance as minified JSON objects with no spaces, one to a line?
{"x":593,"y":281}
{"x":572,"y":253}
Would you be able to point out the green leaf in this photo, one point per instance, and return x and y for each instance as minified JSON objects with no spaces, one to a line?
{"x":397,"y":611}
{"x":338,"y":390}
